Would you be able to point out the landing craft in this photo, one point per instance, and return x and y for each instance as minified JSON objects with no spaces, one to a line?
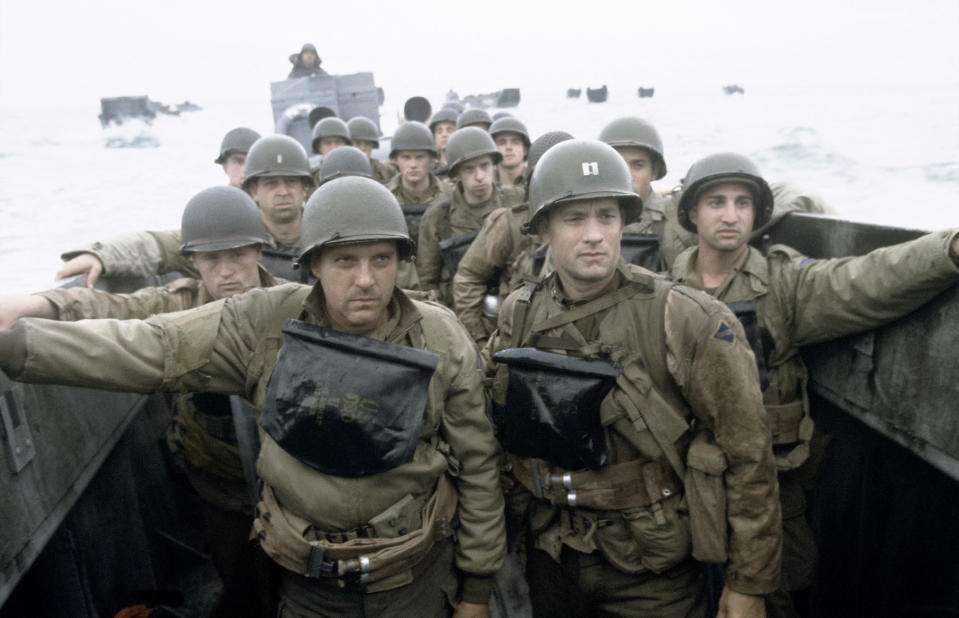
{"x":94,"y":518}
{"x":597,"y":95}
{"x":296,"y":100}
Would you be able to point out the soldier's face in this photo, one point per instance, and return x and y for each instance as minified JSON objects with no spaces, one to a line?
{"x":228,"y":272}
{"x":724,"y":216}
{"x":280,"y":198}
{"x":476,"y":176}
{"x":308,"y":58}
{"x":364,"y":145}
{"x":584,"y":237}
{"x":414,"y":165}
{"x":357,"y":282}
{"x":641,"y":167}
{"x":328,"y":144}
{"x":512,"y":147}
{"x":235,"y":168}
{"x":442,"y":132}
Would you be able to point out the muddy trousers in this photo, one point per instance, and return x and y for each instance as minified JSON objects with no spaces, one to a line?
{"x":588,"y":585}
{"x":431,"y":593}
{"x":245,"y":571}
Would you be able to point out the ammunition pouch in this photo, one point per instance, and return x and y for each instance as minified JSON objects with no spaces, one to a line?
{"x":706,"y":498}
{"x":322,"y":408}
{"x":374,"y":562}
{"x":453,"y":249}
{"x":792,"y":430}
{"x":552,"y":406}
{"x":653,"y":538}
{"x":206,"y":438}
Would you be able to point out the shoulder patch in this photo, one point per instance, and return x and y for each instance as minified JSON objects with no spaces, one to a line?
{"x":806,"y":261}
{"x":724,"y":333}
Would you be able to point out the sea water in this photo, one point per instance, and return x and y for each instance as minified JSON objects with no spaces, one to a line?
{"x":884,"y":155}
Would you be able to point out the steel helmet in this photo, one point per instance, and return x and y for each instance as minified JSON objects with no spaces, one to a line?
{"x":633,"y":131}
{"x":236,"y":140}
{"x":581,"y":169}
{"x":351,"y":210}
{"x":417,"y":108}
{"x":331,"y":126}
{"x":363,"y":128}
{"x":719,"y":168}
{"x":468,"y":143}
{"x":543,"y":143}
{"x":447,"y":114}
{"x":509,"y":124}
{"x":345,"y":161}
{"x":277,"y":155}
{"x":473,"y":116}
{"x":412,"y":135}
{"x":220,"y":218}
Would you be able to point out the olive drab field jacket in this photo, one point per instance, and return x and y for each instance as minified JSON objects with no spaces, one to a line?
{"x":800,"y":301}
{"x":493,"y":253}
{"x":686,"y":367}
{"x":206,"y":440}
{"x":441,"y":222}
{"x":231,"y":346}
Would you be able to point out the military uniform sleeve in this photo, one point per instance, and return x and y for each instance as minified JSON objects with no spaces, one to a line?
{"x":826,"y":299}
{"x":138,"y":254}
{"x":489,"y":250}
{"x":84,"y":303}
{"x":428,"y":258}
{"x":709,"y":358}
{"x":467,"y":429}
{"x":213,"y":348}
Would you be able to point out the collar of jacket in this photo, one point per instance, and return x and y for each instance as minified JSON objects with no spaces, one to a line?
{"x":752,"y":265}
{"x":402,"y":314}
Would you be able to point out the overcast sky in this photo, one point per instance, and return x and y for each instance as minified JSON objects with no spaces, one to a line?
{"x":69,"y":52}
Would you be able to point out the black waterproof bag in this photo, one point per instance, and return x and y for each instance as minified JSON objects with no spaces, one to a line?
{"x":552,"y":406}
{"x":345,"y":405}
{"x":641,"y":250}
{"x":453,"y":249}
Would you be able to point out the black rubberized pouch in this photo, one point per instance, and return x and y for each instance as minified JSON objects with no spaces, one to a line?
{"x":345,"y":405}
{"x":453,"y":249}
{"x":552,"y":406}
{"x":642,"y":250}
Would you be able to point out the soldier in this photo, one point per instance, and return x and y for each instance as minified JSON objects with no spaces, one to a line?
{"x":222,"y":234}
{"x":328,"y":134}
{"x":236,"y":143}
{"x":648,"y":416}
{"x":474,"y":117}
{"x":278,"y":179}
{"x":640,"y":145}
{"x":362,"y":480}
{"x":512,"y":141}
{"x":416,"y":187}
{"x":794,"y":301}
{"x":455,"y":222}
{"x":442,"y":124}
{"x":500,"y":258}
{"x":306,"y":63}
{"x":365,"y":135}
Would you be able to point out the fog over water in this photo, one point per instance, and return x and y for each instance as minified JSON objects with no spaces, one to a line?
{"x":882,"y":155}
